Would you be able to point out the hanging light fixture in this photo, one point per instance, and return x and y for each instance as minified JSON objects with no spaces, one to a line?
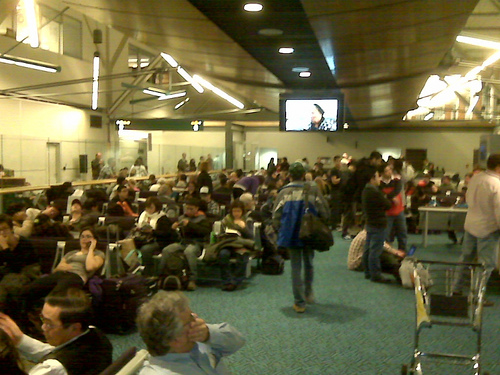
{"x":31,"y":64}
{"x":95,"y":81}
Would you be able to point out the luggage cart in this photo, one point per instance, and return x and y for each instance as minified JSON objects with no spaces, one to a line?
{"x":440,"y":302}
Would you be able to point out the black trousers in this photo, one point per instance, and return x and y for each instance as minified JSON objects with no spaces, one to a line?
{"x":41,"y":287}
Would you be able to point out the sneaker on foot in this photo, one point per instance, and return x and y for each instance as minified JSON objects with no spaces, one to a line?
{"x":299,"y":309}
{"x":191,"y":286}
{"x":347,"y":237}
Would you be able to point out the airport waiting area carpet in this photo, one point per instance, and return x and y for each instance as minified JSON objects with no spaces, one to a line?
{"x":356,"y":327}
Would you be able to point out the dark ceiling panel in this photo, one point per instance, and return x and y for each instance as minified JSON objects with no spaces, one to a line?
{"x":285,"y":15}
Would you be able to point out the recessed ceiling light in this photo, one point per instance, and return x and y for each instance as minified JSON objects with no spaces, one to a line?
{"x":305,"y":74}
{"x":271,"y":32}
{"x":286,"y":50}
{"x":299,"y":69}
{"x":253,"y":7}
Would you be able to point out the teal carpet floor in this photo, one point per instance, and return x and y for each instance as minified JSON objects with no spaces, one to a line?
{"x":356,"y":327}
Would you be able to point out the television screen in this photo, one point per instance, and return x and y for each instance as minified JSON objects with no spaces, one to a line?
{"x":304,"y":113}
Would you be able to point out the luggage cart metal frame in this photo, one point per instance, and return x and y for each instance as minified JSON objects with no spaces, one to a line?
{"x":438,"y":303}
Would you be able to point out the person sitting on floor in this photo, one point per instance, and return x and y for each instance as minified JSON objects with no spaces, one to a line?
{"x":73,"y":347}
{"x":180,"y":342}
{"x":390,"y":259}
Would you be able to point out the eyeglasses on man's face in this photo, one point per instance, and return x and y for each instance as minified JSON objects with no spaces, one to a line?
{"x":48,"y":324}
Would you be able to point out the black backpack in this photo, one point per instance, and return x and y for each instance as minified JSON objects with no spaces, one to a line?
{"x":121,"y":297}
{"x":175,"y":274}
{"x":273,"y":264}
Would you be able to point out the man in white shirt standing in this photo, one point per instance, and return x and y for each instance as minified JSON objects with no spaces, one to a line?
{"x":72,"y":348}
{"x":482,"y":223}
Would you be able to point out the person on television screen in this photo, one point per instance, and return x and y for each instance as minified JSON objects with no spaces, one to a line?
{"x":319,"y":122}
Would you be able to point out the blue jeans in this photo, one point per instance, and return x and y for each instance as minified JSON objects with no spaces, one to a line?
{"x":478,"y":249}
{"x":397,"y":222}
{"x":301,"y":288}
{"x":229,"y":274}
{"x":374,"y":247}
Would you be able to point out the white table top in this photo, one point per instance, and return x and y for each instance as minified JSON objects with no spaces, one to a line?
{"x":442,"y":209}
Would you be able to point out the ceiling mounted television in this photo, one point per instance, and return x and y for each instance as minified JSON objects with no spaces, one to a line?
{"x":312,"y":111}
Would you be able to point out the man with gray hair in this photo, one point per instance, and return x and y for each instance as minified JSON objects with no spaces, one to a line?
{"x":179,"y":341}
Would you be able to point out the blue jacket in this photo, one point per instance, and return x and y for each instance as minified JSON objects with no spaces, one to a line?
{"x":289,"y":208}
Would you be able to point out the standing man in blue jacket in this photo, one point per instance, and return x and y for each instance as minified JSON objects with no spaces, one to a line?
{"x":287,"y":215}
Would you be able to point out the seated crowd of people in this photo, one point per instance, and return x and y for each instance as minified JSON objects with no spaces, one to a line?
{"x":171,"y":221}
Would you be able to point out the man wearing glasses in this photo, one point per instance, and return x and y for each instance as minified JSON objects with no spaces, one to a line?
{"x":73,"y":347}
{"x":180,"y":342}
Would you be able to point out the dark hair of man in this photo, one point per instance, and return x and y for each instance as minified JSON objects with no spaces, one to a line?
{"x":337,"y":157}
{"x":195,"y":202}
{"x":78,"y":202}
{"x":261,"y":179}
{"x":14,"y":208}
{"x":89,"y":203}
{"x":375,"y":155}
{"x":6,"y":219}
{"x":381,"y":168}
{"x":120,"y":180}
{"x":239,"y":173}
{"x":183,"y":177}
{"x":223,"y":179}
{"x":367,"y":174}
{"x":155,"y":202}
{"x":398,"y":165}
{"x":237,"y":204}
{"x":74,"y":304}
{"x":493,"y":161}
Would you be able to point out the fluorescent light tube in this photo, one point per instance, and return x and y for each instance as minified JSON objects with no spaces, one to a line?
{"x":152,"y":92}
{"x":182,"y":72}
{"x":219,"y":92}
{"x":95,"y":81}
{"x":172,"y":96}
{"x":478,"y":42}
{"x":180,"y":104}
{"x":170,"y":60}
{"x":32,"y":24}
{"x":31,"y":64}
